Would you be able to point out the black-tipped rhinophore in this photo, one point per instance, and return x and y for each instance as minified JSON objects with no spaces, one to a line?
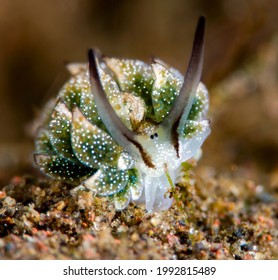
{"x":183,"y":103}
{"x":116,"y":127}
{"x":120,"y":133}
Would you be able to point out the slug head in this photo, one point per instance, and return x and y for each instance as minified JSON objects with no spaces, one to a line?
{"x":155,"y":147}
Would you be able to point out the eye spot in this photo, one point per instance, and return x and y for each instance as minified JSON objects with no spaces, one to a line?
{"x":153,"y":136}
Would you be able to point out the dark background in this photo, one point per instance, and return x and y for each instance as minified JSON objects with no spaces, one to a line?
{"x":240,"y":69}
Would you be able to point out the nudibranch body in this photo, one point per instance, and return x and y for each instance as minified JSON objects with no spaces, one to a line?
{"x":121,"y":127}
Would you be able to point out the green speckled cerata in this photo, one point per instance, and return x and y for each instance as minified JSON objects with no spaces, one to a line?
{"x":121,"y":127}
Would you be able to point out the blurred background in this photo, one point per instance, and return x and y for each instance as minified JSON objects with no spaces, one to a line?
{"x":241,"y":69}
